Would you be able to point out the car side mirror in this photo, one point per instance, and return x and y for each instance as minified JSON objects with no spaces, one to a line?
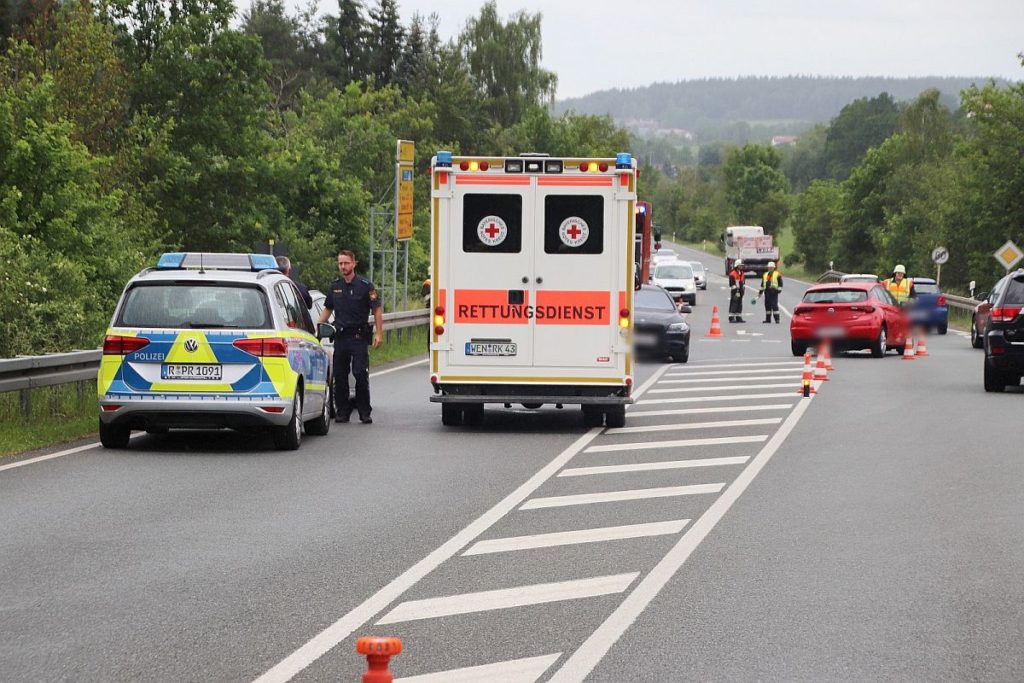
{"x":324,"y":330}
{"x":684,"y":308}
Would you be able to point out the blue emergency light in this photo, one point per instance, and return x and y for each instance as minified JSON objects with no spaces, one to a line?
{"x":170,"y":261}
{"x":444,"y":159}
{"x":212,"y":261}
{"x":623,"y":160}
{"x":262,"y":262}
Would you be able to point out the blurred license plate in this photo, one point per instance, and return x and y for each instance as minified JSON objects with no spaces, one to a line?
{"x":490,"y":349}
{"x":831,"y":332}
{"x":191,"y":371}
{"x":645,"y":339}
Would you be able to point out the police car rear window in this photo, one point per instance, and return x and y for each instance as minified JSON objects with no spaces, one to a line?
{"x":573,"y":224}
{"x":492,"y":223}
{"x":194,"y":306}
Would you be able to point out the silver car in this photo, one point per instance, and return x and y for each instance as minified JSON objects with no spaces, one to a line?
{"x":699,"y":274}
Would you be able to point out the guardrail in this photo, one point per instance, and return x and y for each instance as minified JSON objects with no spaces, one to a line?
{"x":964,"y":303}
{"x":32,"y":372}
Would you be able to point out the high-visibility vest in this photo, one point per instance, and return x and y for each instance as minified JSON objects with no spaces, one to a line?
{"x":899,"y":290}
{"x":774,"y":276}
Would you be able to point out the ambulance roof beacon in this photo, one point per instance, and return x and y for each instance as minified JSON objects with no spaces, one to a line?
{"x":532,"y":284}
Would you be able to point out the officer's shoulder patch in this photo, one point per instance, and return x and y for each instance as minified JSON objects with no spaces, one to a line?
{"x":365,"y":281}
{"x":373,"y":295}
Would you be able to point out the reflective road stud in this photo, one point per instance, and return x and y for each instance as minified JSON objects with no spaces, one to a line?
{"x":379,"y":652}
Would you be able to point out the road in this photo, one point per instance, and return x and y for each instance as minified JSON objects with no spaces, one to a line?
{"x":733,"y":530}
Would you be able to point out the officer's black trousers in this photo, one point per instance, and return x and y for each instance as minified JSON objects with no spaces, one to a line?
{"x":771,"y":304}
{"x":736,"y":303}
{"x":352,"y":355}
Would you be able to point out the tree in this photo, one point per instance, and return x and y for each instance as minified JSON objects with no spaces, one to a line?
{"x":817,"y":216}
{"x":279,"y":35}
{"x":860,"y":125}
{"x":755,"y":187}
{"x":345,"y":48}
{"x":385,"y":40}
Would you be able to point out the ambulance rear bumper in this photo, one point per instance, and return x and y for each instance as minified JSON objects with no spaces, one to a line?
{"x":504,"y":393}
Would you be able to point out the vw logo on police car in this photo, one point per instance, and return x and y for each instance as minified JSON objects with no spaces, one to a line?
{"x":191,"y":345}
{"x":574,"y":231}
{"x":491,"y":230}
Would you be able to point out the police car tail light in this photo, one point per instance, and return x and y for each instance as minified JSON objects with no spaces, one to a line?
{"x":118,"y":345}
{"x":270,"y":347}
{"x":624,"y":318}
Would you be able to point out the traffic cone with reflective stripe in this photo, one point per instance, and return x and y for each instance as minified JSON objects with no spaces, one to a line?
{"x":922,"y":350}
{"x":820,"y":372}
{"x":379,"y":652}
{"x":908,"y":348}
{"x":827,"y":354}
{"x":807,"y":380}
{"x":716,"y":325}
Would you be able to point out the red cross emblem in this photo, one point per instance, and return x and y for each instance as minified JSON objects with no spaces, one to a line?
{"x":492,"y":230}
{"x":574,"y":232}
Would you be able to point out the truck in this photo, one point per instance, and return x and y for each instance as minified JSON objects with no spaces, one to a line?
{"x":752,"y":245}
{"x":533,"y":279}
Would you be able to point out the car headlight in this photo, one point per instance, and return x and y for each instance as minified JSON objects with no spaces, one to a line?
{"x":678,"y":327}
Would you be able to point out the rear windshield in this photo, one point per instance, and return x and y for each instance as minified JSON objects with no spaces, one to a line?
{"x":835,"y":296}
{"x":697,"y":267}
{"x":194,"y":305}
{"x":925,"y":288}
{"x":1014,"y":291}
{"x":674,"y":271}
{"x":653,"y":298}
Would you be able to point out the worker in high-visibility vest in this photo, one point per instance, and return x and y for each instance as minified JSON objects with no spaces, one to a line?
{"x":771,"y":285}
{"x":899,"y":285}
{"x":737,"y":287}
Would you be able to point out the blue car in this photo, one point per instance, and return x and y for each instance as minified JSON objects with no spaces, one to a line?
{"x":929,"y":309}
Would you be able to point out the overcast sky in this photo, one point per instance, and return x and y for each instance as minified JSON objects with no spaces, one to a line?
{"x":598,"y":44}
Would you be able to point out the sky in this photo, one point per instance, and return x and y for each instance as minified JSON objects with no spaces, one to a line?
{"x":601,"y":44}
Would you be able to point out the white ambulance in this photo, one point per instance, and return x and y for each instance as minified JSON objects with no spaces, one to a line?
{"x":533,"y":276}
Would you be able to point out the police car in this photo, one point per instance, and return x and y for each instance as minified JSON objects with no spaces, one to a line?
{"x":208,"y":340}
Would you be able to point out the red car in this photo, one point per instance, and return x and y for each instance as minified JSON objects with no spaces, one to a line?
{"x":853,"y":315}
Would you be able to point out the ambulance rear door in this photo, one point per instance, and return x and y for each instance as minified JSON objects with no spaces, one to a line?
{"x":577,"y":271}
{"x":491,"y":261}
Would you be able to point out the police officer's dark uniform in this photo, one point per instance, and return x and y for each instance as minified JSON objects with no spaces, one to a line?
{"x":352,"y":303}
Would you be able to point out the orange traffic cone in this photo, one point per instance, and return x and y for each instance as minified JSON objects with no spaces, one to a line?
{"x":378,"y":653}
{"x":806,"y":380}
{"x":820,"y":372}
{"x":908,"y":348}
{"x":716,"y":325}
{"x":827,"y":354}
{"x":922,"y":350}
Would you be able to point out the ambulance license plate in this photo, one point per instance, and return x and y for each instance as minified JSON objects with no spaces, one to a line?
{"x":490,"y":349}
{"x":208,"y":371}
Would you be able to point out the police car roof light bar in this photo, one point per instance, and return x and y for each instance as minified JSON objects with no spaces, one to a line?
{"x":171,"y":260}
{"x":214,"y":261}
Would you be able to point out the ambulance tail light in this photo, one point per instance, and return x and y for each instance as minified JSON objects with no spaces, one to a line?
{"x":474,"y":165}
{"x":439,"y":320}
{"x":624,"y":318}
{"x":271,"y":347}
{"x":119,"y":345}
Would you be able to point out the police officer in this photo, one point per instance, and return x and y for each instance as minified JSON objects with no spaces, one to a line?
{"x":351,"y":298}
{"x":284,"y":264}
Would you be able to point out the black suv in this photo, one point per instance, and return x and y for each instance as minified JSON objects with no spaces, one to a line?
{"x":1004,"y":340}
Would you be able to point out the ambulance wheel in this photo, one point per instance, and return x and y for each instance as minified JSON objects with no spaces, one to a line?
{"x":451,"y":414}
{"x":473,"y":414}
{"x":321,"y":424}
{"x":615,"y":416}
{"x":288,"y":437}
{"x":114,"y":436}
{"x":592,"y":416}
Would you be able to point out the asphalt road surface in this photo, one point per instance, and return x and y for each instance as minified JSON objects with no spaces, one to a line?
{"x":734,"y":530}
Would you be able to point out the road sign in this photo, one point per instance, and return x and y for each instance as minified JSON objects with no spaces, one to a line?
{"x":940,"y":255}
{"x":1009,"y":254}
{"x":404,"y":157}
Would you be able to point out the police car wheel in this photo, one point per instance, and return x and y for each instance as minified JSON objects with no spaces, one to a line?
{"x":288,"y":437}
{"x":114,"y":436}
{"x":320,"y":425}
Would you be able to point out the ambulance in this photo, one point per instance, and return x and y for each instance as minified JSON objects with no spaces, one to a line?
{"x":533,"y":279}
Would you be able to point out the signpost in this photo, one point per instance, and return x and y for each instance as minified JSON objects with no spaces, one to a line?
{"x":939,"y":256}
{"x":1009,"y":254}
{"x":405,"y":157}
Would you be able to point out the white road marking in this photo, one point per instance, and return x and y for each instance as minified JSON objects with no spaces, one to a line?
{"x":582,"y":662}
{"x":616,"y":496}
{"x":680,"y":443}
{"x":327,"y":639}
{"x":507,"y":598}
{"x":610,"y":533}
{"x":701,"y":399}
{"x":700,"y":365}
{"x":422,"y":361}
{"x":706,"y":411}
{"x":732,"y":387}
{"x":709,"y":380}
{"x":676,"y":426}
{"x":653,"y":466}
{"x":716,"y":373}
{"x":513,"y":671}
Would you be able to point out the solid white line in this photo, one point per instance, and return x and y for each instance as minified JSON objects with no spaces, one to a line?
{"x":731,"y":387}
{"x":321,"y":643}
{"x":746,"y":365}
{"x":399,"y":367}
{"x":768,"y":371}
{"x":583,"y":661}
{"x":701,"y":399}
{"x":676,"y":426}
{"x":615,"y":496}
{"x":653,"y":466}
{"x":708,"y":380}
{"x":507,"y":598}
{"x":513,"y":671}
{"x":681,"y":443}
{"x":705,"y":411}
{"x":609,"y":533}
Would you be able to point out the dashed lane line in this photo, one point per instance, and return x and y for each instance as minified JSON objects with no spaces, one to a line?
{"x":678,"y":443}
{"x":654,"y":466}
{"x":513,"y":671}
{"x":617,"y":496}
{"x":506,"y":598}
{"x":560,"y":538}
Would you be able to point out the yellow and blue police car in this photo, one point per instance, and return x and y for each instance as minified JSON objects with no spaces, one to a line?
{"x":207,"y":340}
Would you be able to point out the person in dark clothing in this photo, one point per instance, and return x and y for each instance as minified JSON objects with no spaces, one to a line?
{"x":352,"y":298}
{"x":771,"y":286}
{"x":737,"y":287}
{"x":284,"y":264}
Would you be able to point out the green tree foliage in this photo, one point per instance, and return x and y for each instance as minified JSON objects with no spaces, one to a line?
{"x":755,"y":187}
{"x":385,"y":40}
{"x":817,"y":217}
{"x":861,"y":125}
{"x":345,"y":45}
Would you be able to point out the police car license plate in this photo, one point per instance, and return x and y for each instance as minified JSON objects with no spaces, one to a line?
{"x":207,"y":371}
{"x":831,"y":332}
{"x":490,"y":349}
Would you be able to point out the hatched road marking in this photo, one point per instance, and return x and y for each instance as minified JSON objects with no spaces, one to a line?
{"x":611,"y":533}
{"x":513,"y":671}
{"x":676,"y":426}
{"x":654,"y":466}
{"x":680,"y":443}
{"x":707,"y":411}
{"x":617,"y":496}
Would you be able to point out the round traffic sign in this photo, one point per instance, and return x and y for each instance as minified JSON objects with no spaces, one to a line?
{"x":940,"y":255}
